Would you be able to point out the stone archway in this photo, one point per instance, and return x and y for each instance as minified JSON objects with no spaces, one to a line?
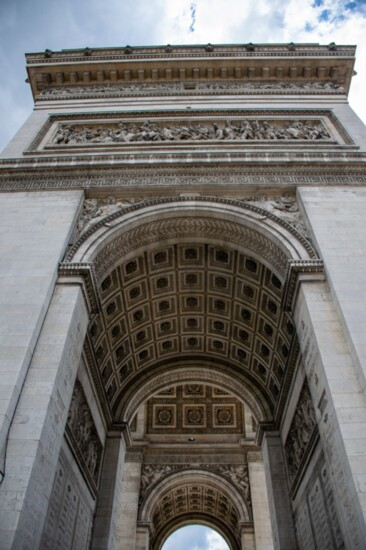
{"x":201,"y":496}
{"x":190,"y":291}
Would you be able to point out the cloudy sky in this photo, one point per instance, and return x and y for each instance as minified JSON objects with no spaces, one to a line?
{"x":34,"y":25}
{"x":195,"y":537}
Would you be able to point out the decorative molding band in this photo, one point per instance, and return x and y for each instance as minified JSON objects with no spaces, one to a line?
{"x":297,"y":271}
{"x":98,"y":384}
{"x":176,"y":51}
{"x":86,"y":272}
{"x":189,"y":88}
{"x":33,"y":176}
{"x":236,"y":474}
{"x":245,"y":206}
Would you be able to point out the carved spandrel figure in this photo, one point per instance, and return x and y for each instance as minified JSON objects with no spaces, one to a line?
{"x":151,"y":474}
{"x":92,"y":456}
{"x":239,"y":475}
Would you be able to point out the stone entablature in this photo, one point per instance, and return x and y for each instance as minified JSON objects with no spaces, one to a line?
{"x":295,"y":62}
{"x":130,"y":176}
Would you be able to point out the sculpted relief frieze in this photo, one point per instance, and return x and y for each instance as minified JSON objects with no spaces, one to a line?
{"x":302,"y":434}
{"x":127,"y":89}
{"x":82,"y":434}
{"x":245,"y":129}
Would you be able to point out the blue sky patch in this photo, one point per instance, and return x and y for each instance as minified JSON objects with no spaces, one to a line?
{"x":324,"y":16}
{"x":318,"y":3}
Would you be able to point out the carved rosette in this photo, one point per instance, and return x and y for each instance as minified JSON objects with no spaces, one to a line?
{"x":83,"y":435}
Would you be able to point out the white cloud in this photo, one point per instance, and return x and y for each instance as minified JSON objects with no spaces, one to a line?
{"x":215,"y":542}
{"x":195,"y":537}
{"x":93,"y":23}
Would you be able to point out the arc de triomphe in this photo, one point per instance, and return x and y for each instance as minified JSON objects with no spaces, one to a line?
{"x":182,"y":286}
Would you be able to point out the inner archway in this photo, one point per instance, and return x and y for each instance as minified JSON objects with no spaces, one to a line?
{"x":197,"y":537}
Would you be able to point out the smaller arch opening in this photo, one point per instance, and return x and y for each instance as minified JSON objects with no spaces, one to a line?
{"x":197,"y":537}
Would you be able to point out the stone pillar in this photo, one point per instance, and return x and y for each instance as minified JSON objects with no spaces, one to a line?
{"x":37,"y":430}
{"x":35,"y":229}
{"x":107,"y":513}
{"x":142,"y":538}
{"x":260,"y":506}
{"x":129,"y":500}
{"x":247,"y":538}
{"x":140,"y":422}
{"x":340,"y":405}
{"x":277,"y":488}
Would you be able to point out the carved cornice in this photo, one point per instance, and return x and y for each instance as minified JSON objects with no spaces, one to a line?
{"x":103,"y":66}
{"x":86,"y":271}
{"x":296,"y":272}
{"x":49,"y":57}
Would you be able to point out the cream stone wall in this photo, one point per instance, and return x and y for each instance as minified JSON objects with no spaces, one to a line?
{"x":37,"y":430}
{"x":34,"y":233}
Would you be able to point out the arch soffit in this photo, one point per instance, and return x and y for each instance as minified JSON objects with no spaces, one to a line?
{"x":201,"y":477}
{"x":240,"y":224}
{"x":228,"y":222}
{"x":200,"y":373}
